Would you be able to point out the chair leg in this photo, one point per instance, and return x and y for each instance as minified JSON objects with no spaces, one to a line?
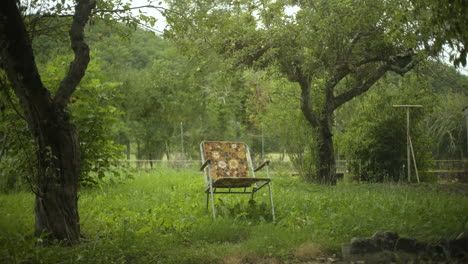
{"x":271,"y":201}
{"x":212,"y":201}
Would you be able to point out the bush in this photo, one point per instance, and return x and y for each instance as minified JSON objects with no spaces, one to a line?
{"x":375,"y":135}
{"x":93,"y":111}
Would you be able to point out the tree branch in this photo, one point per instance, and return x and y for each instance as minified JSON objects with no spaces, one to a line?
{"x":47,"y":15}
{"x":305,"y":102}
{"x":133,"y":8}
{"x":400,"y":64}
{"x":159,"y":8}
{"x":80,"y":48}
{"x":361,"y":87}
{"x":404,"y":64}
{"x":342,"y":70}
{"x":17,"y":58}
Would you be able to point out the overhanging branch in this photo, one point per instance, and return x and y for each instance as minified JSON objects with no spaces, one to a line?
{"x":399,"y":64}
{"x":361,"y":87}
{"x":402,"y":67}
{"x":343,"y":70}
{"x":80,"y":48}
{"x":159,"y":8}
{"x":17,"y":58}
{"x":121,"y":10}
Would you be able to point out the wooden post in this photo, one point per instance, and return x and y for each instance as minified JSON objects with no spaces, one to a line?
{"x":414,"y":160}
{"x":408,"y":151}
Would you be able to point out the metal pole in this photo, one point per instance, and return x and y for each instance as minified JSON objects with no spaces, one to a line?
{"x":407,"y":145}
{"x":263,"y":146}
{"x":408,"y":136}
{"x":182,"y":138}
{"x":414,"y":160}
{"x":270,"y":189}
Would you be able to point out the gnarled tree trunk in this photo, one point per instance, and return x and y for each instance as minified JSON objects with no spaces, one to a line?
{"x":58,"y":155}
{"x":325,"y":168}
{"x":326,"y":164}
{"x":56,"y":139}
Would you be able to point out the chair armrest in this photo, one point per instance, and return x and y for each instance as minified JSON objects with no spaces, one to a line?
{"x":208,"y":161}
{"x":265,"y":163}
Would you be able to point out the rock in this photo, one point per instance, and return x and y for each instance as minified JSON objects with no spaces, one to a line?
{"x":363,"y":246}
{"x":385,"y":247}
{"x":437,"y":252}
{"x":410,"y":245}
{"x":458,"y":248}
{"x":390,"y":236}
{"x":386,"y":240}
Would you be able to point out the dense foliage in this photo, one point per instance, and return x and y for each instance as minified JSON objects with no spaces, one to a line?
{"x":333,"y":51}
{"x":140,"y":96}
{"x":95,"y":112}
{"x":373,"y":138}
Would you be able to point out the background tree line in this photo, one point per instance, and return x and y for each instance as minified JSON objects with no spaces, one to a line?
{"x":139,"y":89}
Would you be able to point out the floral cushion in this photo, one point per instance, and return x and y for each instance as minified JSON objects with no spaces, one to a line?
{"x":228,"y":159}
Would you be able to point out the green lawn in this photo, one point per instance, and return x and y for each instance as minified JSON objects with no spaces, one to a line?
{"x":160,"y":217}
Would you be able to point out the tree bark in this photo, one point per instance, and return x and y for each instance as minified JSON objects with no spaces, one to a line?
{"x":56,"y":139}
{"x":56,"y":205}
{"x":325,"y":171}
{"x":326,"y":164}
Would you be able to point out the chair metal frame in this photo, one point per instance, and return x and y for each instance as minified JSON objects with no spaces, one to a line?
{"x":256,"y":183}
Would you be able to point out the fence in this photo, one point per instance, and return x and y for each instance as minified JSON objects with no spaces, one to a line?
{"x":157,"y":164}
{"x":190,"y":164}
{"x":451,"y":165}
{"x":341,"y":165}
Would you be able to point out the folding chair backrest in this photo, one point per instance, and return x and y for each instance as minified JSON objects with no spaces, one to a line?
{"x":228,"y":158}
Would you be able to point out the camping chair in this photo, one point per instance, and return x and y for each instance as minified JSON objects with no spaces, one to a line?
{"x":228,"y":169}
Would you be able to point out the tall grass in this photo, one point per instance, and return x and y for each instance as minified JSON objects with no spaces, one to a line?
{"x":161,"y":217}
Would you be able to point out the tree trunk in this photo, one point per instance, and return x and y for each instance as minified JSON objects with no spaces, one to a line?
{"x":168,"y":151}
{"x":325,"y":168}
{"x":58,"y":156}
{"x":325,"y":164}
{"x":56,"y":139}
{"x":138,"y":154}
{"x":151,"y":159}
